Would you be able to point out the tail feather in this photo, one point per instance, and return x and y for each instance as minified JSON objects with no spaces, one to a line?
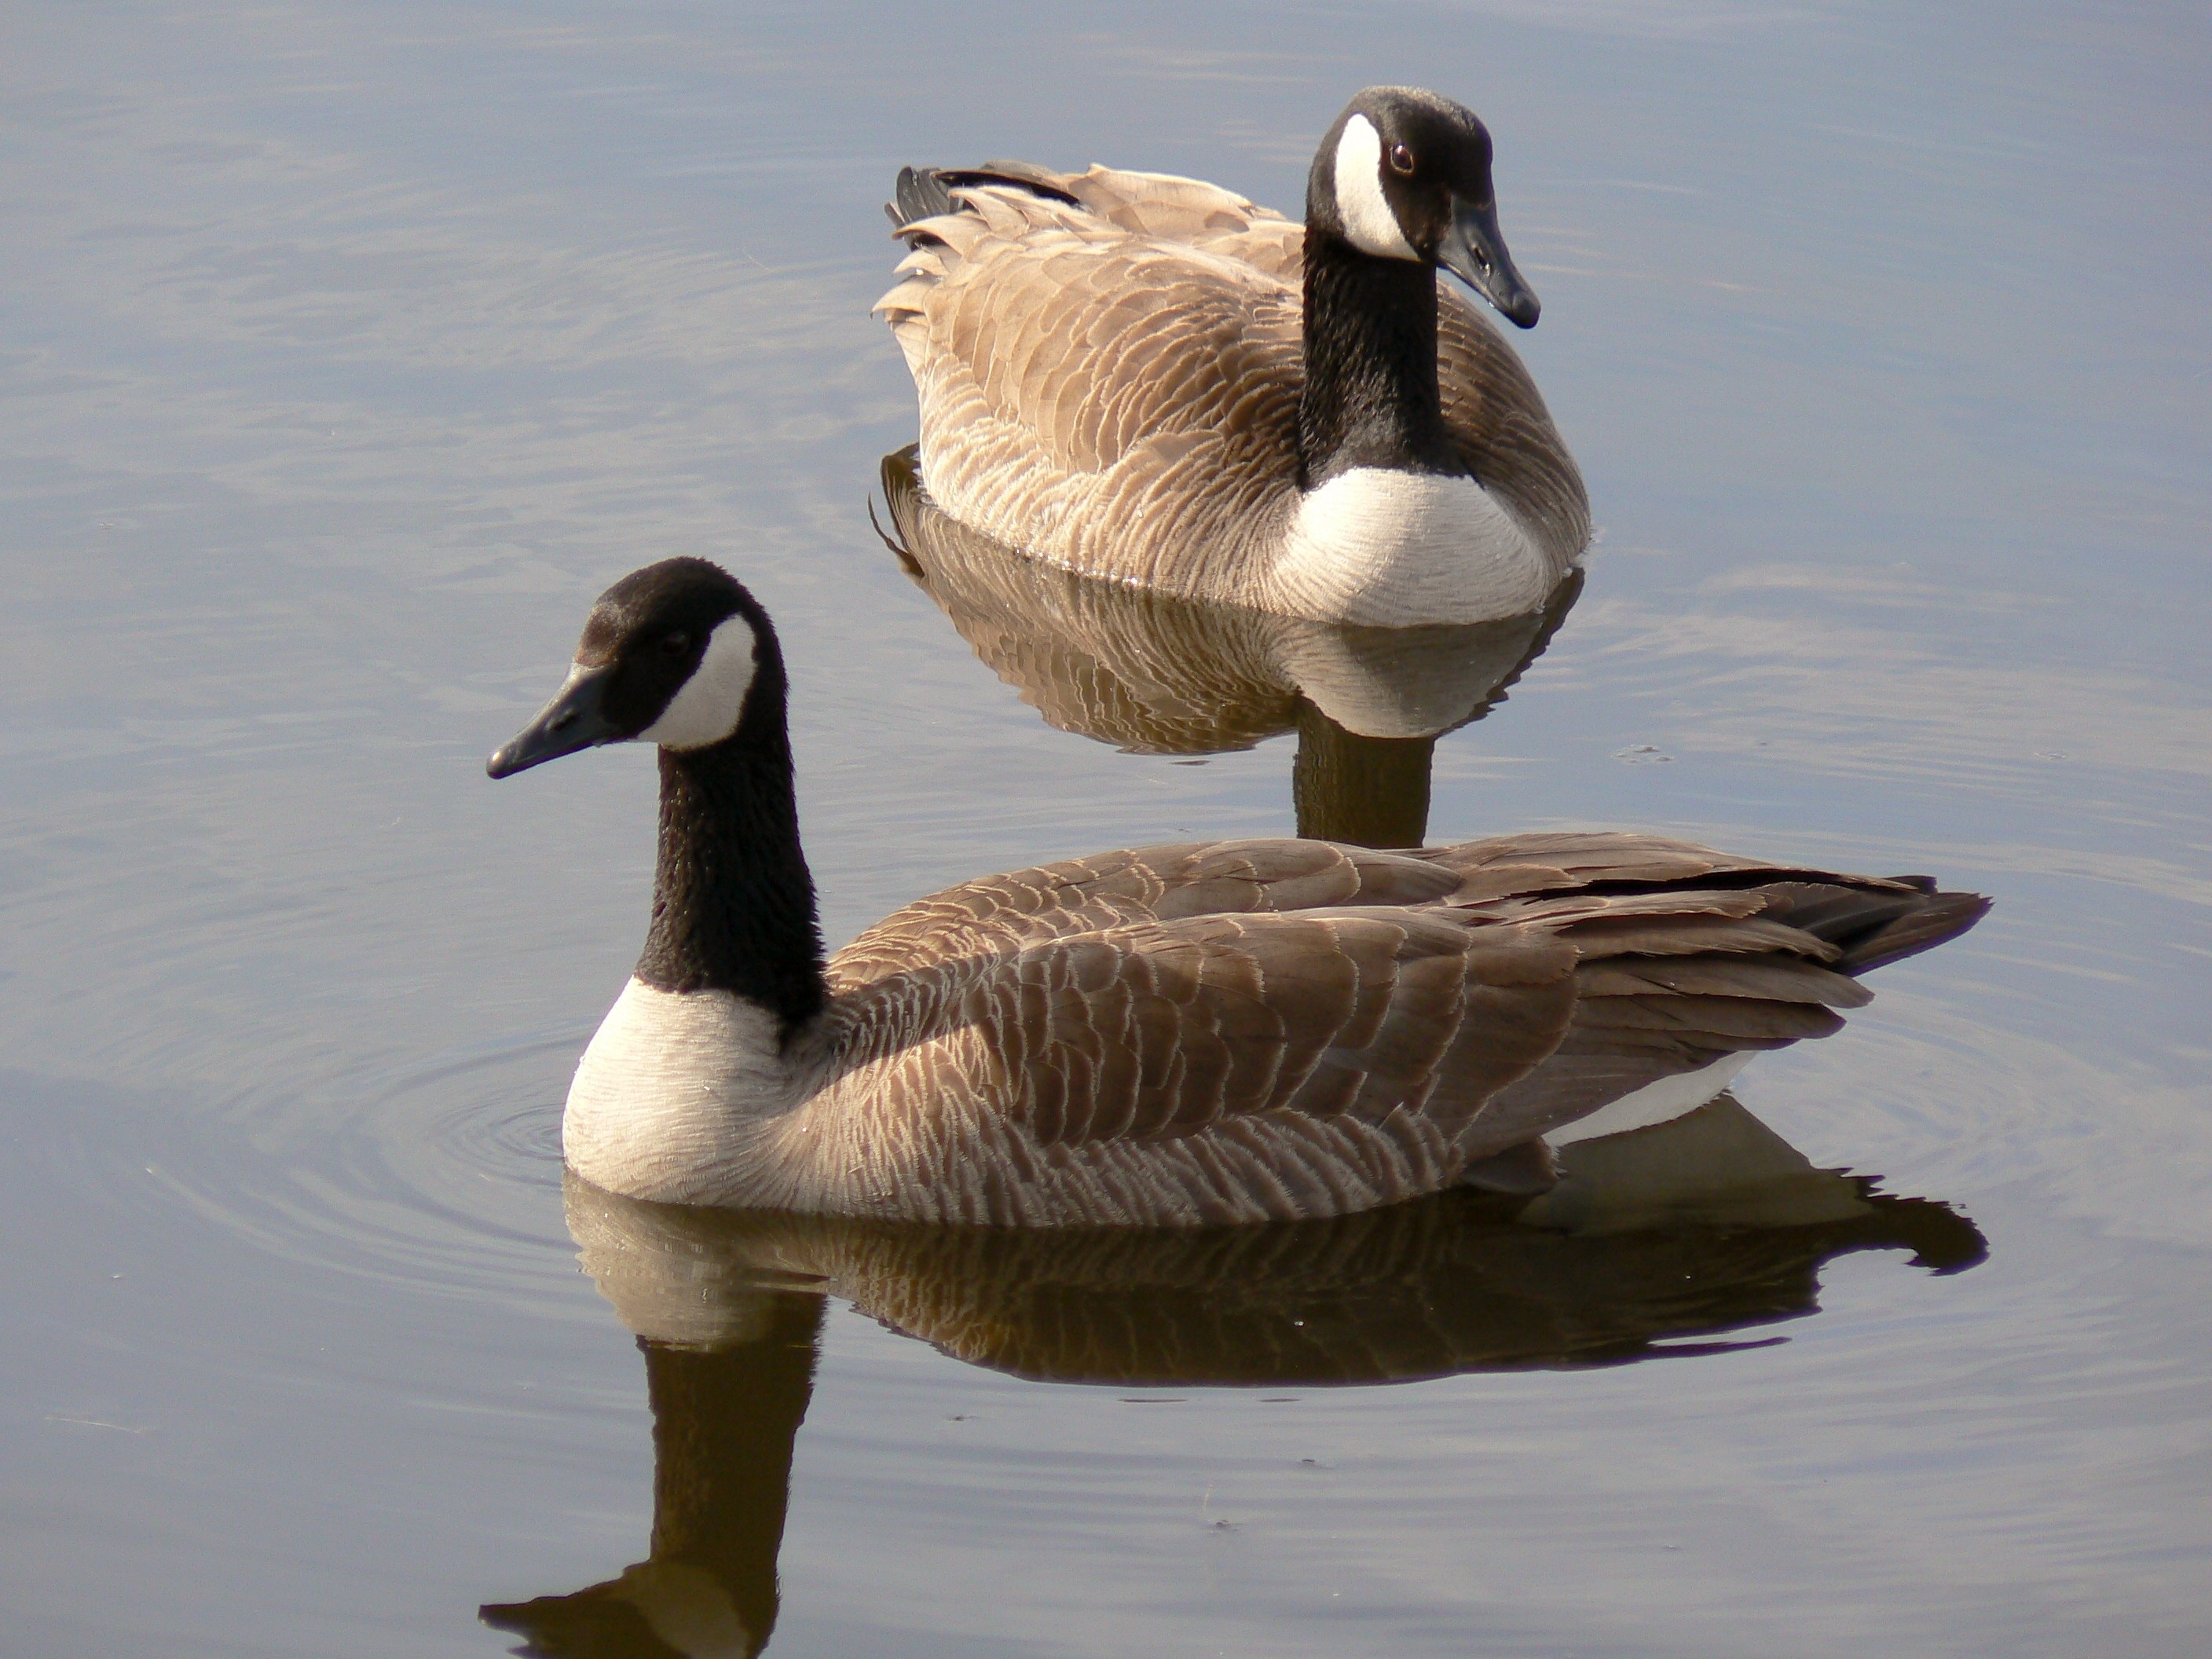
{"x":1873,"y":927}
{"x":1938,"y":918}
{"x":927,"y":192}
{"x":922,"y":193}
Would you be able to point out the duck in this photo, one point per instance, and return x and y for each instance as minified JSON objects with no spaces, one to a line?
{"x":1150,"y":379}
{"x":1192,"y":1033}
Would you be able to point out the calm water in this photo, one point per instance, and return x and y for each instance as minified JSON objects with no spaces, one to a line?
{"x":350,"y":350}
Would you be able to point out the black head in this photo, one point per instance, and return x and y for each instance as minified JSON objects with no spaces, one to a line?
{"x":678,"y":654}
{"x":1404,"y":174}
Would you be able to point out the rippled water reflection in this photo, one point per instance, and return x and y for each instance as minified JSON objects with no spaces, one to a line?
{"x":351,"y":349}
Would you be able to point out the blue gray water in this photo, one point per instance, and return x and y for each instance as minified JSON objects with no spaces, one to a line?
{"x":348,"y":350}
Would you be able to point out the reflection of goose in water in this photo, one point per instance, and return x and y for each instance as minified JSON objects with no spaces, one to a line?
{"x":725,"y":1416}
{"x":1149,"y":380}
{"x":1151,"y":674}
{"x":1658,"y":1243}
{"x":1170,"y":1036}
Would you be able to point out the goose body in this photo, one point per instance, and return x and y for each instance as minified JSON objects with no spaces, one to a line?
{"x":1180,"y":1034}
{"x":1150,"y":379}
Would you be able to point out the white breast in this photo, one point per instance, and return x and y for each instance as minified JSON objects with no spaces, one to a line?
{"x":1393,"y":549}
{"x":677,"y":1096}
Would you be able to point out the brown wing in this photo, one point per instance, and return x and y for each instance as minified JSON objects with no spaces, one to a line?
{"x":1230,"y":1030}
{"x":1171,"y":882}
{"x":1225,"y":1067}
{"x":1166,"y":207}
{"x":1114,"y":403}
{"x":1491,"y":405}
{"x":1713,"y":957}
{"x":1170,"y":1028}
{"x":1859,"y":922}
{"x":1552,"y":876}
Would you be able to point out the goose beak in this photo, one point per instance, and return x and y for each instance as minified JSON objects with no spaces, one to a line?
{"x":574,"y":720}
{"x":1474,"y":251}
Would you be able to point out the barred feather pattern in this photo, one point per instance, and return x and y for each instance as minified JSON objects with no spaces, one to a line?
{"x":1210,"y":1032}
{"x":1110,"y":381}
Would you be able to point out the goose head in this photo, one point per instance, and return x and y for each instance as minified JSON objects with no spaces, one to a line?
{"x":1405,"y":174}
{"x":678,"y":654}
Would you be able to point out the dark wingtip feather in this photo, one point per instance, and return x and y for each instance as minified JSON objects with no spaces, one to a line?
{"x":927,"y":192}
{"x":921,"y":193}
{"x":1937,"y":919}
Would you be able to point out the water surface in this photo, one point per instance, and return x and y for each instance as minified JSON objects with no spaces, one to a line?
{"x":350,"y":349}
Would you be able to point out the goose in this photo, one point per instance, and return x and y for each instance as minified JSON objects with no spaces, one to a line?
{"x":1183,"y":1035}
{"x":1149,"y":379}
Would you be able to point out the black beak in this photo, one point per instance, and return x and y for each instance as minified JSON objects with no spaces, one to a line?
{"x":574,"y":720}
{"x":1474,"y":251}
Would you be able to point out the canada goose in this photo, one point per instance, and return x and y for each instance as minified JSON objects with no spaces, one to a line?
{"x":1166,"y":1036}
{"x":1154,"y":674}
{"x":1118,"y":375}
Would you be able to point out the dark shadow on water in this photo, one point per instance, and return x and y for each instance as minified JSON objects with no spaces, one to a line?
{"x":1665,"y":1243}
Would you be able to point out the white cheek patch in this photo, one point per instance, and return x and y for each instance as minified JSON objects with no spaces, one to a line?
{"x":707,"y":706}
{"x":1369,"y":223}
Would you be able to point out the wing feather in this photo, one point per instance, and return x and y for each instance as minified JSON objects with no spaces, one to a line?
{"x":1109,"y":364}
{"x":1339,"y":1052}
{"x":1226,"y":1030}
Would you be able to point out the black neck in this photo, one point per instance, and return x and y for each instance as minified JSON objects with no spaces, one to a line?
{"x":733,"y":901}
{"x":1371,"y":396}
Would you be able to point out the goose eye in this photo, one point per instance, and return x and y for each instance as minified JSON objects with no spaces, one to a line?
{"x":1402,"y":159}
{"x":675,"y":644}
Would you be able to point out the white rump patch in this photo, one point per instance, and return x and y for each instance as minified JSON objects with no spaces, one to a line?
{"x":1395,"y":550}
{"x":707,"y":706}
{"x":1663,"y":1101}
{"x":1369,"y":223}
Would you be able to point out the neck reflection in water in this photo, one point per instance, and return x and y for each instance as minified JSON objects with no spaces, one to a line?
{"x":1154,"y":675}
{"x":1660,"y":1242}
{"x":726,"y":1414}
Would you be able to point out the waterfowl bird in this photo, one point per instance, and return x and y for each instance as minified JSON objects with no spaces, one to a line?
{"x":1150,"y":379}
{"x":1180,"y":1035}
